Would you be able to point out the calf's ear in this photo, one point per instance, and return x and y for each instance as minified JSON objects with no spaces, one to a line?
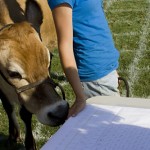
{"x":34,"y":14}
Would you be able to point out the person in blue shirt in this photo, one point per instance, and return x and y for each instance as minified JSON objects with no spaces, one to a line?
{"x":86,"y":49}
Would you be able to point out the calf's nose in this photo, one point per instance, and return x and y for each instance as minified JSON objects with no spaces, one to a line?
{"x":59,"y":113}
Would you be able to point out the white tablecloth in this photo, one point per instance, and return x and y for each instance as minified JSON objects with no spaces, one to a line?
{"x":104,"y":127}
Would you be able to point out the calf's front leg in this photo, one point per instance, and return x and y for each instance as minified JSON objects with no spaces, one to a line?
{"x":26,"y":116}
{"x":14,"y":131}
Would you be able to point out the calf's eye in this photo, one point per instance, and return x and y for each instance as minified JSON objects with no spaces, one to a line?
{"x":14,"y":74}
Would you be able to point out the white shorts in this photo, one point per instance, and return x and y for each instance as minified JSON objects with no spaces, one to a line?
{"x":106,"y":86}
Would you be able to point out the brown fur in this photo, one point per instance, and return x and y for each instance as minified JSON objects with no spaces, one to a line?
{"x":12,"y":11}
{"x":25,"y":53}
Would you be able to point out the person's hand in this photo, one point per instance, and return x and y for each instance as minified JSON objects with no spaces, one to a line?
{"x":77,"y":107}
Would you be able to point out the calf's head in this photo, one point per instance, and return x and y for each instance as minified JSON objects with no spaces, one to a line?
{"x":24,"y":60}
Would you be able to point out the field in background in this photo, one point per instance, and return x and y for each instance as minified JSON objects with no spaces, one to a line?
{"x":130,"y":25}
{"x":129,"y":22}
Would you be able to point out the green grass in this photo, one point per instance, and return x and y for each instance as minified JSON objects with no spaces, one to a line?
{"x":126,"y":20}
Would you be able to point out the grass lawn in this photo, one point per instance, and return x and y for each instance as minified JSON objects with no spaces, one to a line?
{"x":129,"y":23}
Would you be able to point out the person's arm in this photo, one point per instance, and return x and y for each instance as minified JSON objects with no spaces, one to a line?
{"x":63,"y":21}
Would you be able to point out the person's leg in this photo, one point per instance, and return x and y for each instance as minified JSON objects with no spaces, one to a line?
{"x":106,"y":86}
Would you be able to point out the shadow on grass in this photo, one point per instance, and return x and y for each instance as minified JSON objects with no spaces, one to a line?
{"x":58,"y":77}
{"x":5,"y":145}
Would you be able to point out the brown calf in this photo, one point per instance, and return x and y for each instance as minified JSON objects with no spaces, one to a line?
{"x":24,"y":66}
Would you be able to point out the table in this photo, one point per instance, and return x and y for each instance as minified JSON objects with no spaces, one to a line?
{"x":107,"y":123}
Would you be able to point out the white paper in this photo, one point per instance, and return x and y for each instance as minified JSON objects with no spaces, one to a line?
{"x":101,"y":127}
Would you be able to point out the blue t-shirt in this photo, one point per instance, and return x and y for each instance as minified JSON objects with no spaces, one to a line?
{"x":94,"y":50}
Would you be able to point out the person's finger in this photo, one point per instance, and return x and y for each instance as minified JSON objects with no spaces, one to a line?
{"x":71,"y":112}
